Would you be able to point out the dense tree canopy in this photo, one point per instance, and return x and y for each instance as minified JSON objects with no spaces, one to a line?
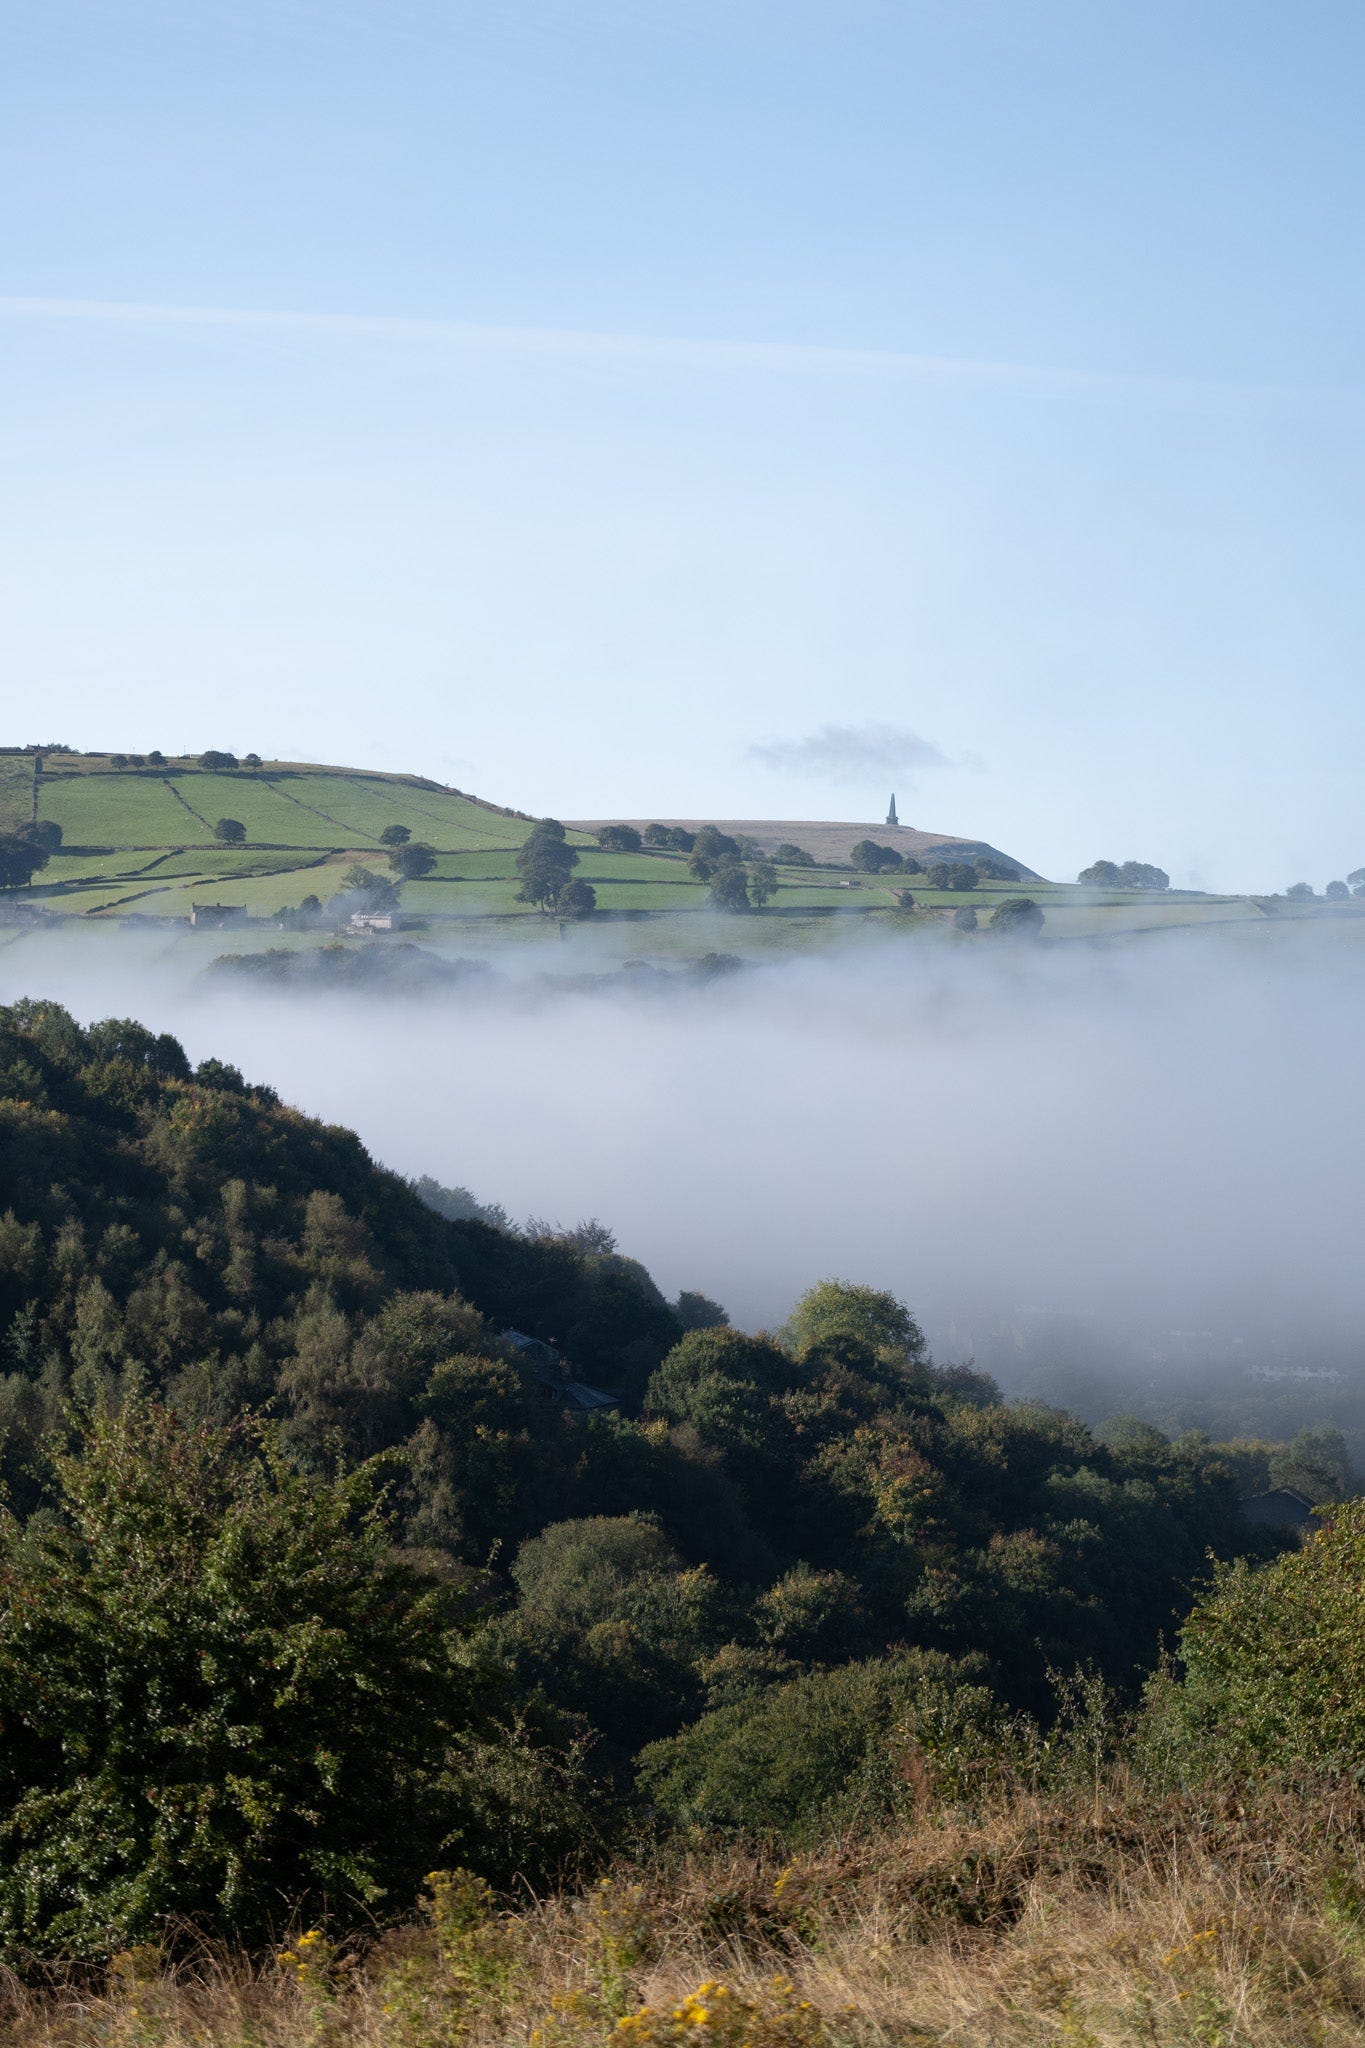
{"x":221,"y":1655}
{"x":195,"y":1656}
{"x":1275,"y":1668}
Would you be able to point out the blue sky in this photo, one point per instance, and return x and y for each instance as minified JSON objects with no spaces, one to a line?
{"x":704,"y":406}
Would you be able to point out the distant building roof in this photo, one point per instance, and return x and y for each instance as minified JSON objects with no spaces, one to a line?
{"x":551,"y":1370}
{"x":1281,"y":1508}
{"x":218,"y":913}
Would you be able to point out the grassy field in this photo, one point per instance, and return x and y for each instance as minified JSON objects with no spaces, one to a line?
{"x":1098,"y":1922}
{"x":139,"y":840}
{"x":120,"y":811}
{"x":16,"y":791}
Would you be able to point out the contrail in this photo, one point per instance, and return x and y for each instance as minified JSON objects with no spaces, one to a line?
{"x":668,"y":351}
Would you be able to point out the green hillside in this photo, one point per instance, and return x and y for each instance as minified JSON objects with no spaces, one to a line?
{"x":138,"y":840}
{"x":16,"y":791}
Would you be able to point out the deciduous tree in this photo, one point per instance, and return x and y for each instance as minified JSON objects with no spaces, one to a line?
{"x":1017,"y":917}
{"x":873,"y":859}
{"x":220,"y":1692}
{"x":413,"y":861}
{"x":544,"y":863}
{"x":730,"y":889}
{"x":20,"y":861}
{"x":576,"y":899}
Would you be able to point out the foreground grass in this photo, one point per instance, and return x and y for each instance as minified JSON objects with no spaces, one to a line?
{"x":1042,"y":1924}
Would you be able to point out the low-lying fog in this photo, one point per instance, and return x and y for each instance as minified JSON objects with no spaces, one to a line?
{"x":1167,"y":1137}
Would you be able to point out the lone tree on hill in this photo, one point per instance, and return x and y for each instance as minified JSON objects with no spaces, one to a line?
{"x":835,"y":1311}
{"x":1018,"y":917}
{"x":1101,"y":874}
{"x":1140,"y":874}
{"x":231,"y":831}
{"x":698,"y":1312}
{"x":762,"y":876}
{"x":1335,"y":891}
{"x":413,"y":860}
{"x":873,"y":859}
{"x":576,"y":899}
{"x":44,"y":833}
{"x":214,"y":759}
{"x":375,"y":890}
{"x":730,"y":889}
{"x":952,"y":874}
{"x":394,"y":835}
{"x":20,"y":861}
{"x":619,"y":839}
{"x":544,"y":864}
{"x":1300,"y":892}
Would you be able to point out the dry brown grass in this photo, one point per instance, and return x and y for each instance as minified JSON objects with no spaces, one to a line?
{"x":1039,"y":1924}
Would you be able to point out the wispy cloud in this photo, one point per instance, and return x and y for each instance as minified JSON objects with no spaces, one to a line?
{"x":850,"y":753}
{"x":671,"y":351}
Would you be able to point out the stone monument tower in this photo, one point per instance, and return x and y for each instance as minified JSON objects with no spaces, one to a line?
{"x":891,"y":817}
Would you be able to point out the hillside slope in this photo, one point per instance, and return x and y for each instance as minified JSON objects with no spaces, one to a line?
{"x":831,"y":840}
{"x":139,"y":839}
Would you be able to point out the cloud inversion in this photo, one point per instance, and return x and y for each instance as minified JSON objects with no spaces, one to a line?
{"x":850,"y":753}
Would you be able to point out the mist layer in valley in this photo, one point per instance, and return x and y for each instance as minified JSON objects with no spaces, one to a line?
{"x":1113,"y":1176}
